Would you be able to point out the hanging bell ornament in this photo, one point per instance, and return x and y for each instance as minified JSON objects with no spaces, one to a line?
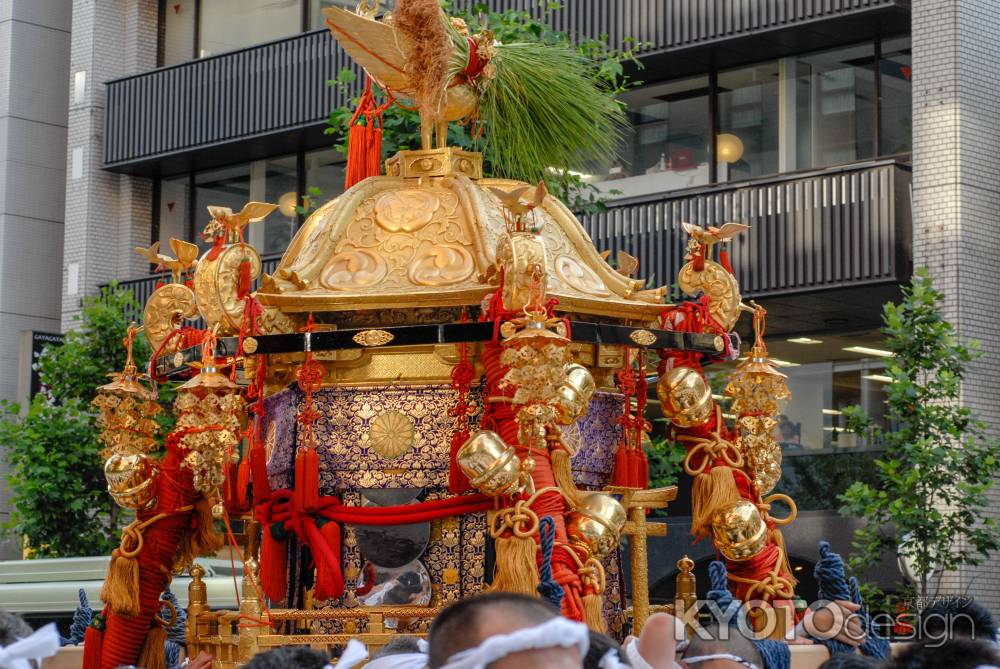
{"x":685,"y":397}
{"x":574,"y":395}
{"x":210,"y":412}
{"x":597,"y":524}
{"x":127,"y":410}
{"x":739,"y":530}
{"x":493,"y":467}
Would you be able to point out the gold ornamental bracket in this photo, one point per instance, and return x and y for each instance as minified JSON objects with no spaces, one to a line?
{"x":445,"y":162}
{"x":636,"y":501}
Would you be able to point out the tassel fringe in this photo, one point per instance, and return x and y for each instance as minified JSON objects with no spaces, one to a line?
{"x":562,"y":471}
{"x":709,"y":493}
{"x":121,"y":586}
{"x":517,"y":566}
{"x":205,"y":540}
{"x":154,"y":651}
{"x":593,"y":612}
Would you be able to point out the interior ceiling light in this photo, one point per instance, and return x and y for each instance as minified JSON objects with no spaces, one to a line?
{"x":878,"y":377}
{"x":784,"y":363}
{"x":865,"y":350}
{"x":804,"y":340}
{"x":832,"y":412}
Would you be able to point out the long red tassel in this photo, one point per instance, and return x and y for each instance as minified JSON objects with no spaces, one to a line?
{"x":364,"y":139}
{"x":93,"y":642}
{"x":243,"y":285}
{"x":458,"y":482}
{"x":258,"y":474}
{"x":243,"y":484}
{"x":619,"y":476}
{"x":329,"y":577}
{"x":273,"y":567}
{"x":310,"y":479}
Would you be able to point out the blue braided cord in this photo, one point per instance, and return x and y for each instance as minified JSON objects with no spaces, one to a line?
{"x":172,"y":652}
{"x":549,"y":590}
{"x":774,"y":653}
{"x":81,"y":620}
{"x":177,"y":631}
{"x":718,"y":578}
{"x":834,"y":585}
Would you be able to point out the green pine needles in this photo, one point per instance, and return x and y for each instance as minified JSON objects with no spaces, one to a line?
{"x":545,"y":109}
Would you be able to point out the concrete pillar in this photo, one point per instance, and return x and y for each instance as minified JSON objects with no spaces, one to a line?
{"x":106,"y":214}
{"x":34,"y":63}
{"x":956,"y":199}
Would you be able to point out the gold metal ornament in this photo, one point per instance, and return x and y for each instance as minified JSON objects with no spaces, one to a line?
{"x":392,"y":434}
{"x":757,"y":386}
{"x":739,"y":530}
{"x":573,"y":397}
{"x":373,"y":338}
{"x":209,"y":411}
{"x":597,"y":524}
{"x":685,"y":397}
{"x":127,"y":410}
{"x":642,"y":337}
{"x":131,"y":480}
{"x":492,"y":466}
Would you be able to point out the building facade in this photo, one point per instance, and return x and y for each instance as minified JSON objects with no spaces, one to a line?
{"x":853,"y":135}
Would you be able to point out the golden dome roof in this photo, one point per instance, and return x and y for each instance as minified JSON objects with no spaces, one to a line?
{"x":432,"y":240}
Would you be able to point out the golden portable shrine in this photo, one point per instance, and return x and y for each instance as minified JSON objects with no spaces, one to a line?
{"x":440,"y":390}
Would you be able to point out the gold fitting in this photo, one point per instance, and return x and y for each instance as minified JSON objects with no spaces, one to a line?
{"x":445,"y":162}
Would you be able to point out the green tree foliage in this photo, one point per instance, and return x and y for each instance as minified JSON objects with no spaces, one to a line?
{"x":57,"y":481}
{"x":929,"y":497}
{"x":401,"y":127}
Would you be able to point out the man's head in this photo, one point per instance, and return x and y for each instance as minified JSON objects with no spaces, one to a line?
{"x":959,"y":654}
{"x":721,"y":641}
{"x":12,"y":628}
{"x":850,"y":661}
{"x":956,"y":618}
{"x":469,"y":622}
{"x":292,"y":657}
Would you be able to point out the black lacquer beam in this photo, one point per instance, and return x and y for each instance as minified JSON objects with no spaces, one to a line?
{"x":453,"y":333}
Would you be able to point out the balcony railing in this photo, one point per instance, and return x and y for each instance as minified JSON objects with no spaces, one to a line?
{"x":835,"y":228}
{"x":175,"y":118}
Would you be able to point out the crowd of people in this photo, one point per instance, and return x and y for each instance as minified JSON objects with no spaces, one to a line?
{"x":511,"y":631}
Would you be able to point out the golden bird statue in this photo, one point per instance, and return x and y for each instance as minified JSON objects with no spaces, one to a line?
{"x":538,"y":105}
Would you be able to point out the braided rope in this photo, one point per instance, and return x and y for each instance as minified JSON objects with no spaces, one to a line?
{"x":548,"y":588}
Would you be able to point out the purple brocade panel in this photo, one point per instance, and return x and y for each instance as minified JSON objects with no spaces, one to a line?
{"x":400,"y":436}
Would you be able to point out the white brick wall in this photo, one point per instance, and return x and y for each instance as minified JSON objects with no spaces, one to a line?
{"x":106,"y":214}
{"x":956,"y":200}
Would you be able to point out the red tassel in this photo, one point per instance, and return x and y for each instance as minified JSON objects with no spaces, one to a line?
{"x":364,"y":141}
{"x":273,"y":567}
{"x":310,"y":480}
{"x":243,"y":286}
{"x":258,"y":474}
{"x":243,"y":484}
{"x":633,"y":468}
{"x":230,"y":493}
{"x":698,"y":260}
{"x":299,"y":492}
{"x":619,"y":476}
{"x":93,"y":647}
{"x":326,"y":553}
{"x":458,"y":482}
{"x":643,"y":481}
{"x":724,"y":261}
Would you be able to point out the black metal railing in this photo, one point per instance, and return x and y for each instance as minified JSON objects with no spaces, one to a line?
{"x":832,"y":228}
{"x":281,"y":86}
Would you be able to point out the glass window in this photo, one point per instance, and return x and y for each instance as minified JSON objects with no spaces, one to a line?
{"x":281,"y":183}
{"x":177,"y":38}
{"x":316,"y":18}
{"x":175,"y":205}
{"x":747,"y":143}
{"x":834,"y":107}
{"x":226,"y":187}
{"x":896,"y":69}
{"x":233,"y":24}
{"x":667,"y":146}
{"x":325,"y":171}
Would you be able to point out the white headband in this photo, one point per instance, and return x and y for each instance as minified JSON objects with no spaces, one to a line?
{"x":399,"y":661}
{"x":554,"y":633}
{"x":354,"y":654}
{"x":721,"y":656}
{"x":43,"y":643}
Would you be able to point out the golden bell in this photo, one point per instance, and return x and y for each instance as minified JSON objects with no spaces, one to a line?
{"x":685,"y":397}
{"x":131,"y":480}
{"x":573,"y":396}
{"x":597,"y":524}
{"x":739,"y":529}
{"x":491,"y":465}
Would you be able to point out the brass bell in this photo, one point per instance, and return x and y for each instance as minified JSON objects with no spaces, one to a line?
{"x":573,"y":396}
{"x":597,"y":524}
{"x":685,"y":397}
{"x":491,"y":465}
{"x":740,"y":531}
{"x":131,"y":480}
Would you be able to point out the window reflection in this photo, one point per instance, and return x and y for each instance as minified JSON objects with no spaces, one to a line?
{"x":896,"y":68}
{"x":233,"y":24}
{"x":834,"y":107}
{"x":669,"y":139}
{"x":325,"y":171}
{"x":280,"y":186}
{"x":748,"y":122}
{"x":174,"y":211}
{"x":226,"y":187}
